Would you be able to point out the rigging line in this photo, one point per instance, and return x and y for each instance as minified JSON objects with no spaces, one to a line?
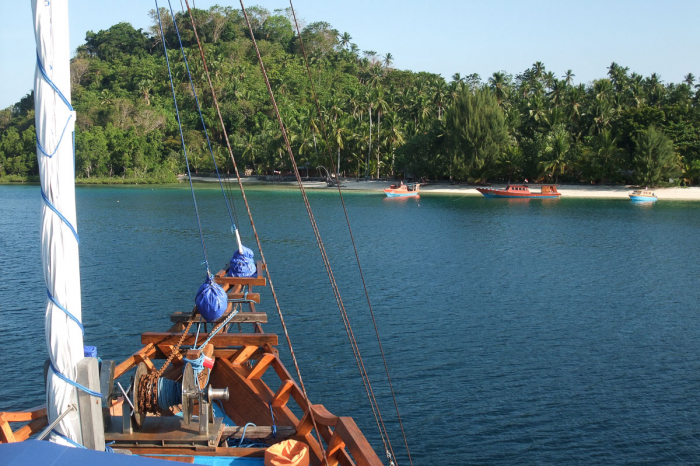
{"x":227,"y":180}
{"x":352,"y":238}
{"x":368,"y":387}
{"x":308,"y":207}
{"x":257,"y":239}
{"x":353,"y":341}
{"x":182,"y":138}
{"x":201,"y":117}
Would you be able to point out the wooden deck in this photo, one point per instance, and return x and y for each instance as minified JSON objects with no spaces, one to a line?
{"x":241,"y":360}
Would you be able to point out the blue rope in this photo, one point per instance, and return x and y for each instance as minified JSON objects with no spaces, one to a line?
{"x":274,"y":426}
{"x":109,"y":449}
{"x":65,"y":220}
{"x":169,"y":393}
{"x":182,"y":137}
{"x":198,"y":367}
{"x":50,"y":83}
{"x":41,"y":148}
{"x":75,"y":384}
{"x":60,"y":215}
{"x":75,"y":319}
{"x":201,"y":117}
{"x":244,"y":429}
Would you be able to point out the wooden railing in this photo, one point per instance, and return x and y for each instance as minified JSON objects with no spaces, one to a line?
{"x":37,"y":421}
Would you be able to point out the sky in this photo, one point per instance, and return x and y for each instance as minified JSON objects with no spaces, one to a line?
{"x":439,"y":36}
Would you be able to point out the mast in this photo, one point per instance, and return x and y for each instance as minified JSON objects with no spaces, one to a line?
{"x":55,"y":123}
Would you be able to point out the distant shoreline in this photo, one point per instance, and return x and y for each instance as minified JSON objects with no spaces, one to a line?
{"x":572,"y":191}
{"x":443,"y":188}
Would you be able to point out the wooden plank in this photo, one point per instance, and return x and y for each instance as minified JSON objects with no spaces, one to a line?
{"x":221,"y":339}
{"x":358,"y":445}
{"x":6,"y":435}
{"x":282,"y":394}
{"x":147,"y":351}
{"x":258,"y":432}
{"x":255,"y":297}
{"x":178,"y":459}
{"x":231,"y":353}
{"x":334,"y":446}
{"x":256,"y":280}
{"x":323,"y":417}
{"x":240,"y":318}
{"x":250,"y":403}
{"x":261,"y":366}
{"x":284,"y":374}
{"x":219,"y":451}
{"x":30,"y":429}
{"x":243,"y":354}
{"x":25,"y":416}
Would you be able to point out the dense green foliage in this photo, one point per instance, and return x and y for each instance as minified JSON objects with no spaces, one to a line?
{"x":379,"y":121}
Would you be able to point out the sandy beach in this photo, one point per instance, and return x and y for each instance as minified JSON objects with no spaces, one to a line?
{"x":578,"y":191}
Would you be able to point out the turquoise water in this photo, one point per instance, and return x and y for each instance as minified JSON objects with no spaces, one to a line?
{"x":547,"y":332}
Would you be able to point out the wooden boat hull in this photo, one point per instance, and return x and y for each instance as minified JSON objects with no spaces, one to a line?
{"x":241,"y":360}
{"x":501,"y":194}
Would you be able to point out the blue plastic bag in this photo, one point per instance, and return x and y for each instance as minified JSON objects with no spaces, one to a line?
{"x":211,"y":300}
{"x":242,"y":265}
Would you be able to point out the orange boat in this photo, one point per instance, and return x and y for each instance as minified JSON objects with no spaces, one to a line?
{"x":521,"y":191}
{"x":403,"y":190}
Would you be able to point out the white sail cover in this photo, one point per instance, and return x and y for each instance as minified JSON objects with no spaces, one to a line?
{"x":55,"y":121}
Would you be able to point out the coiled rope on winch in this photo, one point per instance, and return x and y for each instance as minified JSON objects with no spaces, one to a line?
{"x":153,"y":388}
{"x":336,"y":169}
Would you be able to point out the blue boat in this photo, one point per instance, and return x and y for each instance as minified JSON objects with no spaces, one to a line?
{"x":643,"y":195}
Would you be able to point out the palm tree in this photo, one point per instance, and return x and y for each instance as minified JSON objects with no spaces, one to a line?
{"x":510,"y":161}
{"x":388,"y":60}
{"x":499,"y":86}
{"x":568,"y":77}
{"x":538,"y":70}
{"x":394,"y":135}
{"x":557,"y":161}
{"x":344,"y":40}
{"x":689,"y":79}
{"x":439,"y":95}
{"x":557,"y":93}
{"x":382,"y":106}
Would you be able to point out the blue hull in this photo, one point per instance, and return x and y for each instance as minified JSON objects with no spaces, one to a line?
{"x":401,"y":194}
{"x":642,"y":199}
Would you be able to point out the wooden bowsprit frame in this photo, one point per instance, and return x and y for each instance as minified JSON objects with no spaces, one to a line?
{"x":36,"y":418}
{"x":241,"y":360}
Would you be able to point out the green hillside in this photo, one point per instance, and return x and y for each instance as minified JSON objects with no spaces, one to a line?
{"x":536,"y":124}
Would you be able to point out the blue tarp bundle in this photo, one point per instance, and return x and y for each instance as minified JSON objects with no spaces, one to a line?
{"x":242,"y":265}
{"x":211,"y":300}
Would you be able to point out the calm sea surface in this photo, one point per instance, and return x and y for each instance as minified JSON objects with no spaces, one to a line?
{"x":535,"y":332}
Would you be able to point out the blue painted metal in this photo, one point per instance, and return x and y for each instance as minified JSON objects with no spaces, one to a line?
{"x":36,"y":452}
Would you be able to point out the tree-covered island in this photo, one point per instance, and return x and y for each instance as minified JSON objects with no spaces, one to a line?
{"x":381,"y":121}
